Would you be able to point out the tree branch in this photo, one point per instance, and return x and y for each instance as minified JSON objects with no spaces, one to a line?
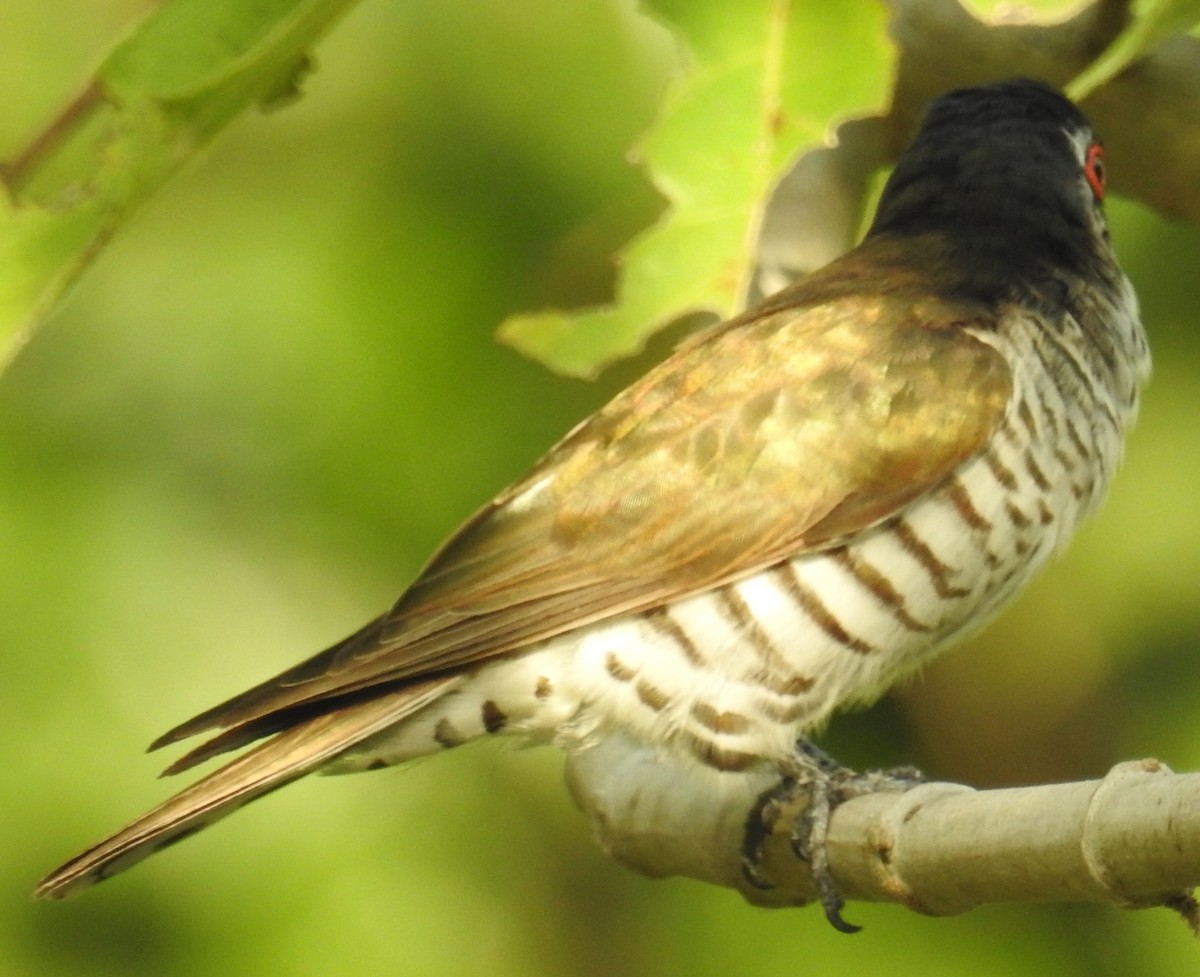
{"x":1131,"y":839}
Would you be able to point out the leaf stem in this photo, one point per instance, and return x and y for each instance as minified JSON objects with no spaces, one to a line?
{"x":24,"y":167}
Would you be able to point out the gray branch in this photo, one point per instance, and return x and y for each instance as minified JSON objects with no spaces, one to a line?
{"x":1131,"y":839}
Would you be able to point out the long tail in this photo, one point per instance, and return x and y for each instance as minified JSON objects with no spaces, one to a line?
{"x":286,"y":757}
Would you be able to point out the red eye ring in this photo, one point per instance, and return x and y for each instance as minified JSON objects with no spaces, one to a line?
{"x":1093,"y":169}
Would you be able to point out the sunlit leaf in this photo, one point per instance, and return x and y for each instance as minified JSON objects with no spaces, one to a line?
{"x":762,"y":86}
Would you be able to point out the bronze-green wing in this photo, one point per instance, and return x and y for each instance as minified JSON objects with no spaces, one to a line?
{"x":820,"y":414}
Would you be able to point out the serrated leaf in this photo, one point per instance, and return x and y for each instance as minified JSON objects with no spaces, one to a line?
{"x":767,"y":77}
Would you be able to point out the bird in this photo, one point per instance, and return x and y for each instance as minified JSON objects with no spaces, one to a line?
{"x":797,"y":508}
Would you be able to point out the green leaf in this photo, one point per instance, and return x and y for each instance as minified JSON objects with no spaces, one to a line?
{"x":161,"y":95}
{"x":766,"y":79}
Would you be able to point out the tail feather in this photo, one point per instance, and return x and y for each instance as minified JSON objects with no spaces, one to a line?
{"x":288,"y":756}
{"x":299,"y":684}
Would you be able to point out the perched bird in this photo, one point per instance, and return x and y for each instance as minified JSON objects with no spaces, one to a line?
{"x":798,"y":507}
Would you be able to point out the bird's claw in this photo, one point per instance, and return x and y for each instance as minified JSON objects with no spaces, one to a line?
{"x":825,"y":784}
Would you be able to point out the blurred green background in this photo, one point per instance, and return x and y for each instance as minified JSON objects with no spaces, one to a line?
{"x":277,"y":391}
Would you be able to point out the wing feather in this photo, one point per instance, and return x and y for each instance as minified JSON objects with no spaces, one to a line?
{"x":825,"y":411}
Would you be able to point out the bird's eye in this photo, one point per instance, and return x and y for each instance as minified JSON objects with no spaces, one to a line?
{"x":1093,"y":169}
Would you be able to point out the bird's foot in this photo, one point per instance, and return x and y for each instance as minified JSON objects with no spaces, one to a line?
{"x":815,"y":784}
